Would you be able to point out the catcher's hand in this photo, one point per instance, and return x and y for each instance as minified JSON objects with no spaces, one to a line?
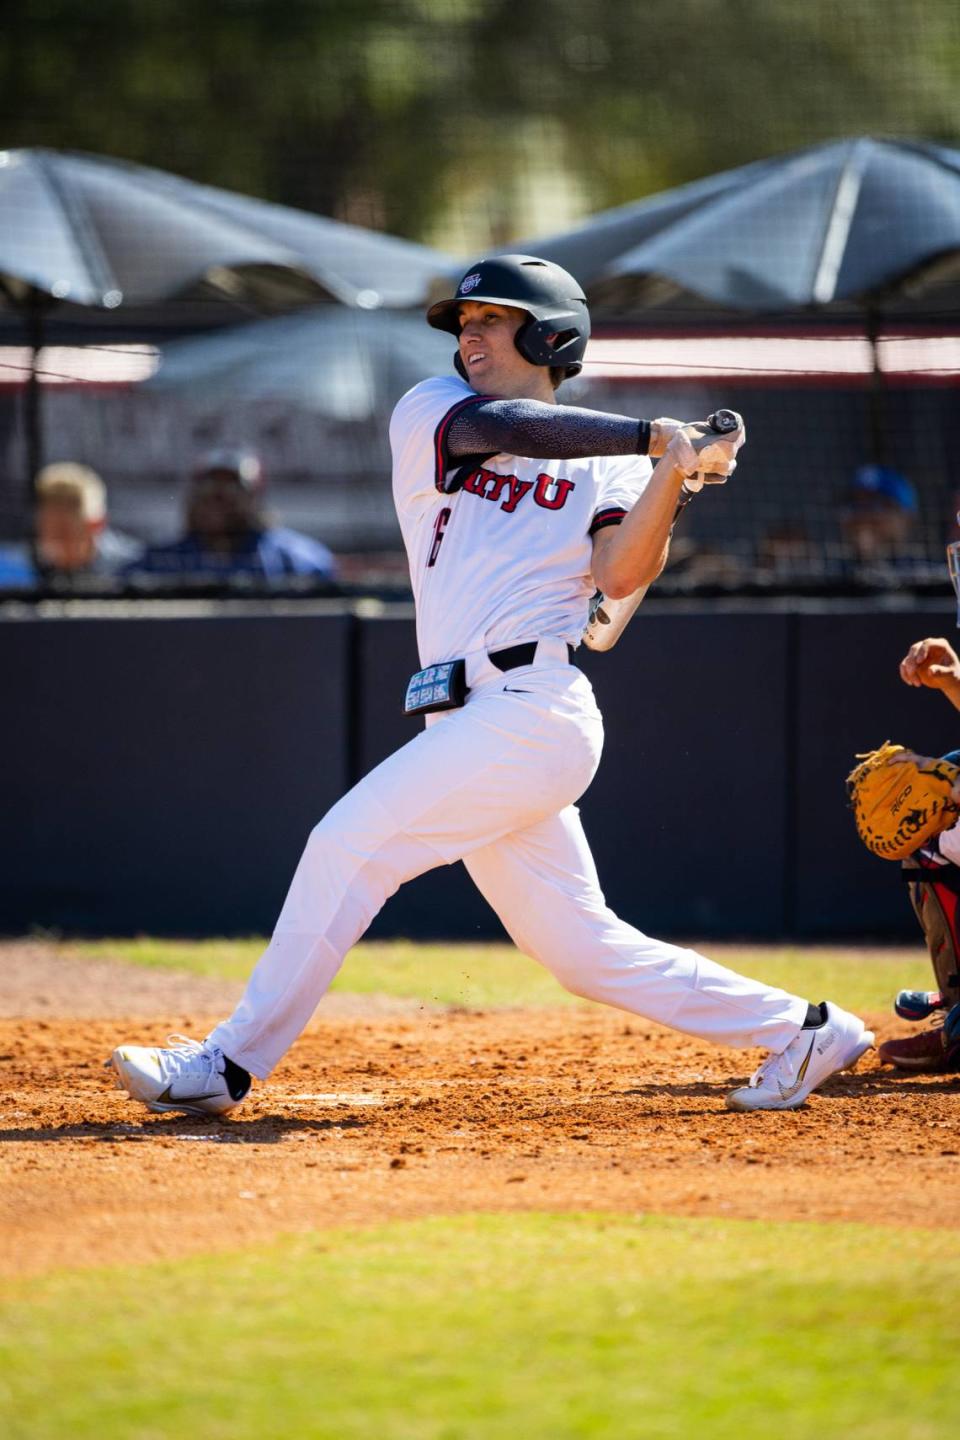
{"x":931,"y":662}
{"x":901,"y":799}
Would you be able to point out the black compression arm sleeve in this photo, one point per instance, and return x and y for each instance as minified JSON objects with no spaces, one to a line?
{"x":544,"y":432}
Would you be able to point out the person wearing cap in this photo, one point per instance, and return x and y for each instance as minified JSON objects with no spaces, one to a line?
{"x":227,"y":533}
{"x":880,"y":514}
{"x":932,"y":874}
{"x":74,"y":545}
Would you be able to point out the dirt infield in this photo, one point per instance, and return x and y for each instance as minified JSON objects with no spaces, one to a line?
{"x":390,"y":1110}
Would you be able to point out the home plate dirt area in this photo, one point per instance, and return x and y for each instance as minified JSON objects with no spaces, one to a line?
{"x":388,"y":1109}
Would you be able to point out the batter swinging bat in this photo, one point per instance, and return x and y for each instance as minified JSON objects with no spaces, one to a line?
{"x":609,"y":618}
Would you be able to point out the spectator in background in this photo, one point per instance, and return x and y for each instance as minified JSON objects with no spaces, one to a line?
{"x":880,"y":515}
{"x":74,"y":547}
{"x":228,"y":535}
{"x":73,"y":536}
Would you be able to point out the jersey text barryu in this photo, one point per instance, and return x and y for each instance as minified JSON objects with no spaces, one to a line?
{"x":549,"y":492}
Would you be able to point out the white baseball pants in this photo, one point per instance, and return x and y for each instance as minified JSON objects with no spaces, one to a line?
{"x":493,"y":784}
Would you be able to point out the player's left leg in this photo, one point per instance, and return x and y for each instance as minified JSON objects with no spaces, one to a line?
{"x":543,"y":884}
{"x":501,"y":763}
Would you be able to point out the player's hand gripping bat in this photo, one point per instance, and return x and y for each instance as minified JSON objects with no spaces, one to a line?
{"x":609,"y":618}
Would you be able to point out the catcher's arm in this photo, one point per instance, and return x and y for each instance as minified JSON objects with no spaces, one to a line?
{"x":691,"y":456}
{"x":934,"y":663}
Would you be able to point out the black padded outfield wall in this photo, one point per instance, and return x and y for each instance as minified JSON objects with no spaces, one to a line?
{"x":849,"y":699}
{"x":719,"y":807}
{"x":658,"y":813}
{"x":692,"y":704}
{"x":161,"y":775}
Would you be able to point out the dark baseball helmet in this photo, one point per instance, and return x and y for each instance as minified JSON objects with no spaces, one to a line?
{"x":559,"y":325}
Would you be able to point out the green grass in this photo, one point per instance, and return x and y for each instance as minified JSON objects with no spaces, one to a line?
{"x":482,"y":976}
{"x":530,"y":1327}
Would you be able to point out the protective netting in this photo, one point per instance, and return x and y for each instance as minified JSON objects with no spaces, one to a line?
{"x":463,"y":127}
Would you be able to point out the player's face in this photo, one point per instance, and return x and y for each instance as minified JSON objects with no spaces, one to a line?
{"x":492,"y":361}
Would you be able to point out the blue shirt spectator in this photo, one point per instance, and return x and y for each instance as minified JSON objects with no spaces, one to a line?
{"x":880,"y":516}
{"x":17,"y":571}
{"x":270,"y":554}
{"x":228,"y":536}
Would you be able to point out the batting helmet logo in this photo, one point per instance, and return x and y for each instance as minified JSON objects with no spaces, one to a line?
{"x":468,"y":283}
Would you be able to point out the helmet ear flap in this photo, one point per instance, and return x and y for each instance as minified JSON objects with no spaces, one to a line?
{"x":544,"y":341}
{"x":523,"y":337}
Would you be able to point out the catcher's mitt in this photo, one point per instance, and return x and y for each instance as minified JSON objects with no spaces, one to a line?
{"x":900,"y":799}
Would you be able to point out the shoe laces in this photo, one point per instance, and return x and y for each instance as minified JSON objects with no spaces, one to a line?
{"x":763,"y":1070}
{"x":770,"y":1068}
{"x":183,"y":1056}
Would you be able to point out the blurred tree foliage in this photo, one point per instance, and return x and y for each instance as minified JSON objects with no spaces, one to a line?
{"x":386,"y":111}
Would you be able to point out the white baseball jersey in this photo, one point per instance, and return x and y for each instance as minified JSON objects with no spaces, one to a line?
{"x":508,"y":556}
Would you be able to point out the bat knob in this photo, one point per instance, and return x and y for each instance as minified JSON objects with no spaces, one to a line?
{"x":723,"y":421}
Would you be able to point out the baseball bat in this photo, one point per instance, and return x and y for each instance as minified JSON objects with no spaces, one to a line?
{"x":608,"y":619}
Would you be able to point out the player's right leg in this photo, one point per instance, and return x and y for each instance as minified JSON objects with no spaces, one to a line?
{"x":543,"y":884}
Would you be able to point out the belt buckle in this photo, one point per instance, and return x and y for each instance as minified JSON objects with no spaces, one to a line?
{"x":437,"y":687}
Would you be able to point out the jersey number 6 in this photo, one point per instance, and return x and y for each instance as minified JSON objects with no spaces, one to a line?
{"x":439,"y":527}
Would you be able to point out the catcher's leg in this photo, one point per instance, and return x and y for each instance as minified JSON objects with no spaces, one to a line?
{"x":543,"y":884}
{"x":936,"y":913}
{"x":934,"y":888}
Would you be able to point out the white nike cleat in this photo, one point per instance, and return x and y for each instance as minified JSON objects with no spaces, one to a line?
{"x":784,"y":1081}
{"x":187,"y":1075}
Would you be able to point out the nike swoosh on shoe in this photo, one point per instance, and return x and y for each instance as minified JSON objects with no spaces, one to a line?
{"x":167,"y":1099}
{"x":787,"y":1092}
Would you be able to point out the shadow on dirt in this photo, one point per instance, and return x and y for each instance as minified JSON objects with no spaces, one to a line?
{"x":259,"y":1130}
{"x":849,"y":1085}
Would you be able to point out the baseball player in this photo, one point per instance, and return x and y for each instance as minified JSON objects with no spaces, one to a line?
{"x":513,"y":511}
{"x":933,"y":879}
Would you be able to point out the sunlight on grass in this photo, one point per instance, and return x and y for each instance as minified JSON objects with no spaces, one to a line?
{"x":544,"y":1327}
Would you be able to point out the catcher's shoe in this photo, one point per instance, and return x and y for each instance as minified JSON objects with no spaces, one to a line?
{"x":784,"y":1081}
{"x":930,"y":1052}
{"x":186,"y":1075}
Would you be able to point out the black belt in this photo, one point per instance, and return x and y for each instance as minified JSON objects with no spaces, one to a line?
{"x":517,"y":655}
